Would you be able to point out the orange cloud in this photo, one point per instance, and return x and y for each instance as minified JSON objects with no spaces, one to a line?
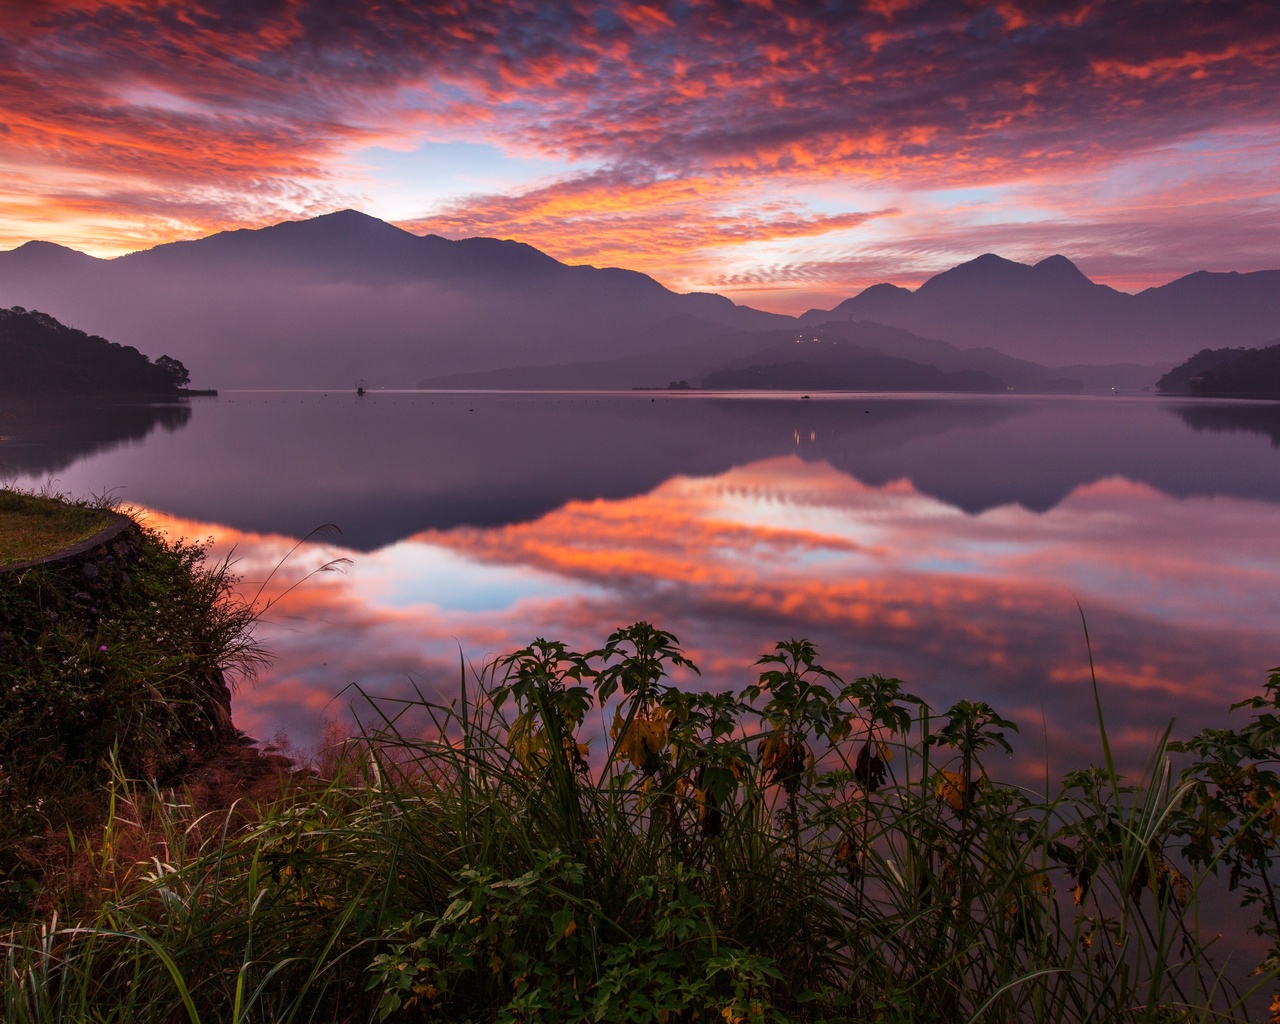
{"x":1193,"y":65}
{"x":668,"y":226}
{"x":129,"y":123}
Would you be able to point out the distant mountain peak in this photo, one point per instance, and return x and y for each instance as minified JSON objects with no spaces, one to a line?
{"x":37,"y":245}
{"x":345,"y":238}
{"x":882,"y":295}
{"x":340,"y":222}
{"x":992,"y":271}
{"x":346,"y":214}
{"x":50,"y":253}
{"x":1058,"y":268}
{"x":1057,"y":262}
{"x":883,"y":291}
{"x":987,"y":270}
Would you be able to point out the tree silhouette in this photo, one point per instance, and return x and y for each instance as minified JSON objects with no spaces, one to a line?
{"x":174,"y":370}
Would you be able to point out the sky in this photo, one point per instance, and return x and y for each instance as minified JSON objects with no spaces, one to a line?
{"x":787,"y":154}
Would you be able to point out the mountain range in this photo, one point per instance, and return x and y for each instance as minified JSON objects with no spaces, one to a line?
{"x":1052,"y":313}
{"x":344,"y":297}
{"x":328,"y":301}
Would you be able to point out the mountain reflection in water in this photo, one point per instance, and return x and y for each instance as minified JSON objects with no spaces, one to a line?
{"x":388,"y":465}
{"x":945,"y":541}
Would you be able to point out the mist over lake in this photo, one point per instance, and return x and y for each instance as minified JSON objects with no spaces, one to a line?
{"x":944,"y":540}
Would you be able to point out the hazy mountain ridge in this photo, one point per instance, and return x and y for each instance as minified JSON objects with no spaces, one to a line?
{"x":349,"y":246}
{"x":1052,"y":313}
{"x":837,"y":342}
{"x":345,"y":297}
{"x":814,"y":357}
{"x":862,"y":370}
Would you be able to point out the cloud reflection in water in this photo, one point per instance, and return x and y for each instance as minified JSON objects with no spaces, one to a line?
{"x":1179,"y":593}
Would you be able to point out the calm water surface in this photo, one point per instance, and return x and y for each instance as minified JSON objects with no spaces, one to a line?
{"x":945,"y":540}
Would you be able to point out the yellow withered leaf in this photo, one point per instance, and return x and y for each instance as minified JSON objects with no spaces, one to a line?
{"x":773,"y":752}
{"x":527,"y":743}
{"x":1174,"y":881}
{"x":951,"y":789}
{"x":641,"y":740}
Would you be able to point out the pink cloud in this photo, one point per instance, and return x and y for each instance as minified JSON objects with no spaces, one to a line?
{"x":129,"y":123}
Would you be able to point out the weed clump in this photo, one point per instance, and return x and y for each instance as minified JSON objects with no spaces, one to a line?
{"x":116,"y":661}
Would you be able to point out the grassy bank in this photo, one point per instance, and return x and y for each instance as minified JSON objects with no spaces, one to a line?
{"x":33,"y":525}
{"x":809,"y":849}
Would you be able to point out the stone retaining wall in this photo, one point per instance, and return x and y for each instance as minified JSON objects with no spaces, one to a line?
{"x":97,"y":564}
{"x":93,"y":576}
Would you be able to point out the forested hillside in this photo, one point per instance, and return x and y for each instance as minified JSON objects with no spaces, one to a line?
{"x":40,"y":356}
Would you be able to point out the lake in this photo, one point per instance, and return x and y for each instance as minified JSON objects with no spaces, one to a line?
{"x":951,"y":541}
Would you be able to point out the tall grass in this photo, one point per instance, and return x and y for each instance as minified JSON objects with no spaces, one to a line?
{"x":810,"y":849}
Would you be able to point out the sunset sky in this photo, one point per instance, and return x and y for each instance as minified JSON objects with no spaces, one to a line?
{"x":785,"y":154}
